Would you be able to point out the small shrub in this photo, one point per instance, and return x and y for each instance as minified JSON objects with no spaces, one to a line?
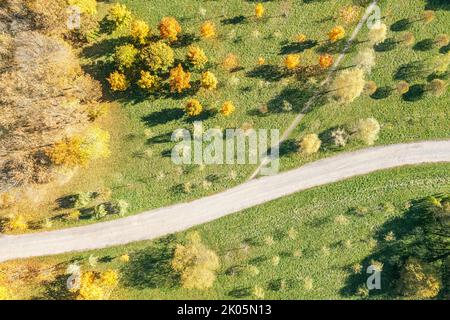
{"x":349,"y":14}
{"x":209,"y":80}
{"x":82,"y":199}
{"x":347,"y":85}
{"x":378,"y":34}
{"x":337,"y":33}
{"x":179,"y":79}
{"x":119,"y":15}
{"x":418,"y":280}
{"x":368,"y":130}
{"x":125,"y":56}
{"x":196,"y":56}
{"x":86,"y":6}
{"x":325,"y":61}
{"x":365,"y":60}
{"x":68,"y":152}
{"x":208,"y":30}
{"x":148,"y":81}
{"x":339,"y":137}
{"x":118,"y":81}
{"x":407,"y":39}
{"x":402,"y":87}
{"x":196,"y":263}
{"x":158,"y":56}
{"x":259,"y":10}
{"x":258,"y":292}
{"x":227,"y":108}
{"x":100,"y":211}
{"x":292,"y":61}
{"x":16,"y":223}
{"x":310,"y":144}
{"x":193,"y":108}
{"x":169,"y":28}
{"x":437,"y":87}
{"x":140,"y":31}
{"x":231,"y":62}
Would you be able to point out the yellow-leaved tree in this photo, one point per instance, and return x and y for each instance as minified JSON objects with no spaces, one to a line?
{"x":196,"y":263}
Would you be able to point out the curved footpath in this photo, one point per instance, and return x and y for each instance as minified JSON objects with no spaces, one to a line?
{"x":163,"y":221}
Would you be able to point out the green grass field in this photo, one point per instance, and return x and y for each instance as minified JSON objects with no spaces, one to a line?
{"x":140,"y":170}
{"x":315,"y":265}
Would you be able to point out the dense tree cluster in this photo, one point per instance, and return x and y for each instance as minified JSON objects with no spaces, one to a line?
{"x":46,"y":96}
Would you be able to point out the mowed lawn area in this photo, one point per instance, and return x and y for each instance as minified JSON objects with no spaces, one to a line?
{"x":305,"y":246}
{"x":140,"y":170}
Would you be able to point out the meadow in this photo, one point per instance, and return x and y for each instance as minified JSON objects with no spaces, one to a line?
{"x":312,"y":245}
{"x":140,"y":170}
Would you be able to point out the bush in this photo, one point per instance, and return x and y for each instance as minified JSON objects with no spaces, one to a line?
{"x":119,"y":15}
{"x":118,"y":81}
{"x":96,"y":143}
{"x":418,"y":280}
{"x":402,"y":87}
{"x":209,"y":80}
{"x":378,"y":34}
{"x":310,"y":144}
{"x":230,"y":62}
{"x":193,"y":108}
{"x":68,"y":152}
{"x":365,"y":60}
{"x":78,"y":150}
{"x":196,"y":56}
{"x":86,"y":6}
{"x":82,"y":199}
{"x":259,"y":10}
{"x":16,"y":223}
{"x":227,"y":108}
{"x":179,"y":79}
{"x":169,"y":28}
{"x":437,"y":87}
{"x":367,"y":130}
{"x":337,"y":33}
{"x":100,"y":211}
{"x":292,"y":61}
{"x":158,"y":56}
{"x":325,"y":61}
{"x":148,"y":81}
{"x":125,"y":56}
{"x":140,"y":31}
{"x":208,"y":30}
{"x":347,"y":86}
{"x":196,"y":263}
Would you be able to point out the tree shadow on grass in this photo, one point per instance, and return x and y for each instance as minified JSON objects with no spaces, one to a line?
{"x":335,"y":47}
{"x":267,"y":72}
{"x":437,"y":5}
{"x":294,"y":95}
{"x":162,"y":117}
{"x":288,"y":147}
{"x":240,"y":292}
{"x":382,"y":93}
{"x":424,"y":45}
{"x":414,"y":236}
{"x":412,"y":71}
{"x":104,"y":48}
{"x":387,"y":45}
{"x":415,"y":93}
{"x":298,"y":47}
{"x":401,"y":25}
{"x":151,"y":267}
{"x":55,"y":290}
{"x":235,"y":20}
